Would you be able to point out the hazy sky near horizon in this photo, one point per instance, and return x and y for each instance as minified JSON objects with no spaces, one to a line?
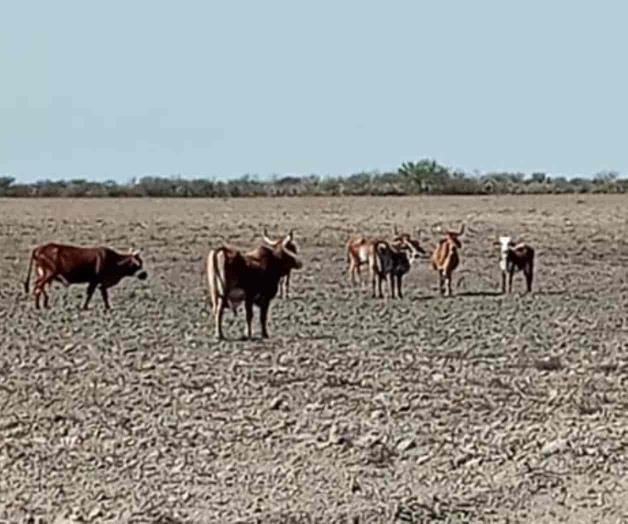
{"x":122,"y":89}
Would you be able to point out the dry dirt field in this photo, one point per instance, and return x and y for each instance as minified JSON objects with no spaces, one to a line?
{"x":476,"y":408}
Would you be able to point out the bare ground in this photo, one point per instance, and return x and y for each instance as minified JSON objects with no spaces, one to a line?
{"x":481,"y":407}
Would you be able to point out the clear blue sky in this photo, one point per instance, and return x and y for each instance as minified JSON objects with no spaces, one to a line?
{"x":119,"y":89}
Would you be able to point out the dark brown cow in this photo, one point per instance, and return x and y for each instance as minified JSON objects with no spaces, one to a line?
{"x":284,"y":282}
{"x":252,"y":278}
{"x":445,"y":259}
{"x":100,"y":267}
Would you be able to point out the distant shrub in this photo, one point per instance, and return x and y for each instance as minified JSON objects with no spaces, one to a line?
{"x":412,"y":178}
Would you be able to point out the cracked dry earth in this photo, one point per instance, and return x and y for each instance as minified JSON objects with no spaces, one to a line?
{"x":478,"y":408}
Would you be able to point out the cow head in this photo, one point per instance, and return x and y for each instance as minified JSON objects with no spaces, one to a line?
{"x":132,"y":265}
{"x":290,"y":243}
{"x":505,"y":243}
{"x":453,"y":237}
{"x":289,"y":258}
{"x":410,"y":245}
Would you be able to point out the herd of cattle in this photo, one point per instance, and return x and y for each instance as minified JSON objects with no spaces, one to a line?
{"x":256,"y":276}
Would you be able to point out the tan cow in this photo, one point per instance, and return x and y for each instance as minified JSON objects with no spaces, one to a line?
{"x":445,"y":259}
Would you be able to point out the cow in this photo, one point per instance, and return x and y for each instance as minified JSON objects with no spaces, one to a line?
{"x":100,"y":267}
{"x":360,"y":250}
{"x":445,"y":259}
{"x":284,"y":283}
{"x":386,"y":260}
{"x":515,"y":257}
{"x":252,"y":278}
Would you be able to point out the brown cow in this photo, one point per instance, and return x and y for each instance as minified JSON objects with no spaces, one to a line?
{"x":252,"y":278}
{"x":284,"y":283}
{"x":95,"y":266}
{"x":445,"y":259}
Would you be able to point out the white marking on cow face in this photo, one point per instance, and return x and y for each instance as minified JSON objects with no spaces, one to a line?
{"x":504,"y":245}
{"x":413,"y":253}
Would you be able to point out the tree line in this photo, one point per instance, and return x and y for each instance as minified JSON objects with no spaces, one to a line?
{"x":412,"y":178}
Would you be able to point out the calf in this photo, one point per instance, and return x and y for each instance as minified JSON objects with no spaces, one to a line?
{"x":252,"y":278}
{"x":513,"y":258}
{"x":445,"y":259}
{"x":100,"y":267}
{"x":284,"y":282}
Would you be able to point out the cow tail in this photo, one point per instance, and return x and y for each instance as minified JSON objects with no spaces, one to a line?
{"x":215,"y":279}
{"x":28,"y":274}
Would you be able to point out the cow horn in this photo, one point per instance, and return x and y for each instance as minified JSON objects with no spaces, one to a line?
{"x":461,"y":229}
{"x":288,"y":238}
{"x":266,"y":238}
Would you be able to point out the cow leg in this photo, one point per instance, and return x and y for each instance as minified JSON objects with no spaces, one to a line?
{"x":391,"y":285}
{"x":399,"y":293}
{"x":287,"y":285}
{"x":263,"y":318}
{"x":510,"y":275}
{"x":40,"y":287}
{"x":45,"y":293}
{"x":448,"y":285}
{"x":248,"y":307}
{"x":373,"y":283}
{"x":441,"y":282}
{"x":380,"y":281}
{"x":37,"y":292}
{"x":90,"y":291}
{"x":529,"y":275}
{"x":105,"y":296}
{"x":503,"y":282}
{"x":219,"y":308}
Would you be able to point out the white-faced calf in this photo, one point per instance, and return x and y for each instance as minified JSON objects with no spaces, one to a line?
{"x":514,"y":258}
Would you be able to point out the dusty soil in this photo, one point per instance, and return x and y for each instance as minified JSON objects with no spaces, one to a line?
{"x":480,"y":407}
